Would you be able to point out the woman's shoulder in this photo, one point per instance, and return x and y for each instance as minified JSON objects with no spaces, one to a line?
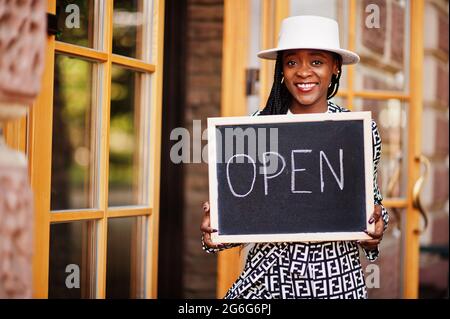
{"x":334,"y":108}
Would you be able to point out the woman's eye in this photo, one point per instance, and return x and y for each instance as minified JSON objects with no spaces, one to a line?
{"x":316,"y":62}
{"x":291,"y":63}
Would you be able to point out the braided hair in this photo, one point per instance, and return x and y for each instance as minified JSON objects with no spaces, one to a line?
{"x":280,"y":98}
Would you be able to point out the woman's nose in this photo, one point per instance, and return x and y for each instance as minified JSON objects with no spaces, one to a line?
{"x":304,"y":71}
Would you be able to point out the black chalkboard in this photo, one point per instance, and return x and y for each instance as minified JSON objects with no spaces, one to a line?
{"x":320,"y":190}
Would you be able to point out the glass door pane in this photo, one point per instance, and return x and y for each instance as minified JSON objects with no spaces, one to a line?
{"x":131,"y":23}
{"x":75,"y":21}
{"x":391,"y":118}
{"x":126,"y":149}
{"x":125,"y":258}
{"x":73,"y":151}
{"x":382,"y":31}
{"x":72,"y":260}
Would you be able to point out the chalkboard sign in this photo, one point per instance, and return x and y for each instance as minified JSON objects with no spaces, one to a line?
{"x":290,"y":177}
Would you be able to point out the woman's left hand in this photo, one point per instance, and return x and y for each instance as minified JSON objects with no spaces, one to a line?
{"x":377,"y":235}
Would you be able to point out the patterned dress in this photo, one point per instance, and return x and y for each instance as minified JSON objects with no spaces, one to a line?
{"x":307,"y":270}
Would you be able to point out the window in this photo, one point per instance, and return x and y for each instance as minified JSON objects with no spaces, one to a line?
{"x":93,"y":145}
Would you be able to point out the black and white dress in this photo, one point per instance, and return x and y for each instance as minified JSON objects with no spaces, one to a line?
{"x":307,"y":270}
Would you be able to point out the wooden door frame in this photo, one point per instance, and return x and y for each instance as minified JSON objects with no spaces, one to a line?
{"x":34,"y":135}
{"x":412,"y":219}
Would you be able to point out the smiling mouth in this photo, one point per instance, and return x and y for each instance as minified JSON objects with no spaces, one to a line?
{"x":306,"y":87}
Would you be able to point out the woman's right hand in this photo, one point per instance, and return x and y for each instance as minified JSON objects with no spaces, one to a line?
{"x":206,"y":228}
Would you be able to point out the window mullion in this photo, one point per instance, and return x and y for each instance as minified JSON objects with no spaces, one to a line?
{"x":104,"y":110}
{"x":151,"y":222}
{"x":39,"y":153}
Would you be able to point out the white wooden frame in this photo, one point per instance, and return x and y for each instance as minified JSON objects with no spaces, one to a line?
{"x":213,"y":123}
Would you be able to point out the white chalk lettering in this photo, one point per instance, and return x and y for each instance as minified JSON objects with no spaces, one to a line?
{"x":339,"y":180}
{"x":297,"y":170}
{"x":265,"y":169}
{"x":228,"y":174}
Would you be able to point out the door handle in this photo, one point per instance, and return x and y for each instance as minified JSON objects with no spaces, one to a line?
{"x":417,"y":188}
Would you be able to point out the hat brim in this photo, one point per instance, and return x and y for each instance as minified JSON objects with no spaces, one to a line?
{"x":348,"y":57}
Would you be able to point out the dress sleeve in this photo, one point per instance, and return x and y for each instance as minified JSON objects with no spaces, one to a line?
{"x":372,"y":255}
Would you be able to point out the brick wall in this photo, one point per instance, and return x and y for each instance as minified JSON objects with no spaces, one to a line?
{"x":204,"y":58}
{"x":397,"y":32}
{"x":381,"y":48}
{"x":374,"y":38}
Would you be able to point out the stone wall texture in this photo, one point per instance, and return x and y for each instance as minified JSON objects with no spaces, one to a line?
{"x":22,"y":53}
{"x":16,"y":225}
{"x":22,"y":49}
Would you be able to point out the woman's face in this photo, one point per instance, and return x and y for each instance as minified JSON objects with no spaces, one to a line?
{"x":307,"y":74}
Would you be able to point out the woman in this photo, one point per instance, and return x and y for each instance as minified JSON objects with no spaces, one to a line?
{"x":307,"y":72}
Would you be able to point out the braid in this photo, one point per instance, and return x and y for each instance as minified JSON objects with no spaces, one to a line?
{"x":280,"y":99}
{"x":333,"y":89}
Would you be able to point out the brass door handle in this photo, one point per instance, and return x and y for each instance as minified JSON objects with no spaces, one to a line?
{"x":417,"y":189}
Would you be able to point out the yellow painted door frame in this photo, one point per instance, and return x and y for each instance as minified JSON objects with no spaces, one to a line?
{"x":33,"y":135}
{"x":235,"y":49}
{"x":412,"y":218}
{"x":39,"y":157}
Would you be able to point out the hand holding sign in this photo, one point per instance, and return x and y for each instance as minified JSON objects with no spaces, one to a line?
{"x":377,"y":235}
{"x":206,"y":228}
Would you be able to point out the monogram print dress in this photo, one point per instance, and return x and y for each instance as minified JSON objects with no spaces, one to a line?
{"x":304,"y":270}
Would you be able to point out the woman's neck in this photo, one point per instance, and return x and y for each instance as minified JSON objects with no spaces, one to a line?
{"x":309,"y":109}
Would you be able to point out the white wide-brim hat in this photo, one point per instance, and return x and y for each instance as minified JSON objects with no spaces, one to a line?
{"x":310,"y":32}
